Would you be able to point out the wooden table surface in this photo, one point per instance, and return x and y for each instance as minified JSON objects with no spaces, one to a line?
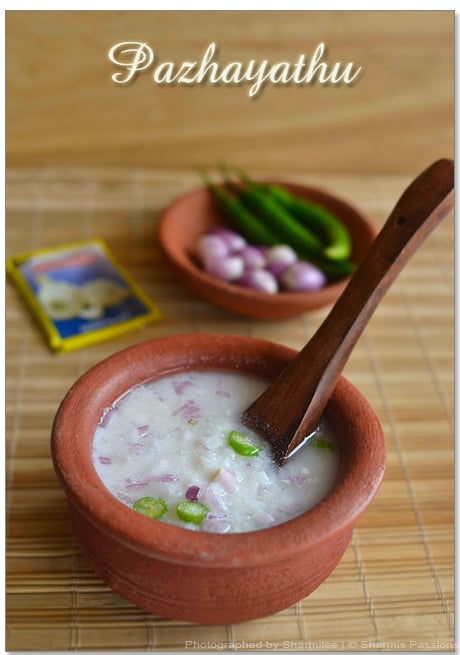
{"x":62,"y":106}
{"x":394,"y":588}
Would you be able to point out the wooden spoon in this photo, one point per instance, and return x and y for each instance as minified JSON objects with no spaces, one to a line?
{"x":289,"y":410}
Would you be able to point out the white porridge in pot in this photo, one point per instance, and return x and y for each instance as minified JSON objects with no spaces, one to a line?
{"x":175,"y":449}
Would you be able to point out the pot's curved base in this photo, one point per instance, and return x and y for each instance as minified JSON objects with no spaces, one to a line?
{"x":211,"y":596}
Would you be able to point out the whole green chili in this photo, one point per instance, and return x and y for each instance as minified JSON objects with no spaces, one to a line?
{"x":240,"y":218}
{"x":317,"y":218}
{"x":257,"y":232}
{"x":333,"y":269}
{"x":320,"y":221}
{"x":279,"y":220}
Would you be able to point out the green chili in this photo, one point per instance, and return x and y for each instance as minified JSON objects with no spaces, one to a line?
{"x":317,"y":218}
{"x":154,"y":508}
{"x":323,"y":444}
{"x":334,"y":270}
{"x":269,"y":224}
{"x":279,"y":220}
{"x":242,"y":445}
{"x":240,"y":218}
{"x":191,"y":511}
{"x":324,"y":224}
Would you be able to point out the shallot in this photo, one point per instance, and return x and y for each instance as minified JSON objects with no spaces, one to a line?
{"x":192,"y":493}
{"x":303,"y":277}
{"x":227,"y":256}
{"x":225,"y":268}
{"x":212,"y":245}
{"x":253,"y":257}
{"x":279,"y":258}
{"x":259,"y":279}
{"x":234,"y":241}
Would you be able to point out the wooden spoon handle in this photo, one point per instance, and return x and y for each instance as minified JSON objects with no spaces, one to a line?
{"x":290,"y":409}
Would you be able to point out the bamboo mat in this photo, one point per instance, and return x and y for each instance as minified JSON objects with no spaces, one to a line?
{"x":394,"y":588}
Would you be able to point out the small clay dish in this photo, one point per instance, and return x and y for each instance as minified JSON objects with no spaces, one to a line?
{"x":198,"y":576}
{"x":196,"y":213}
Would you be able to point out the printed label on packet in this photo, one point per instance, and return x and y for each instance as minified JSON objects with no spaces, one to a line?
{"x":80,"y":294}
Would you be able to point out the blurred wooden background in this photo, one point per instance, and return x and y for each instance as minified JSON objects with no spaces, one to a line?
{"x":63,"y":108}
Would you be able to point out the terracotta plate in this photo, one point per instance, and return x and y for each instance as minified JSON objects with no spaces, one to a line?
{"x":196,"y":213}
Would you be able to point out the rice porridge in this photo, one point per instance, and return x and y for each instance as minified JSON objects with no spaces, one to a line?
{"x":175,"y":450}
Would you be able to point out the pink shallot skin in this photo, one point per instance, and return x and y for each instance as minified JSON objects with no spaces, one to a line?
{"x":226,"y":255}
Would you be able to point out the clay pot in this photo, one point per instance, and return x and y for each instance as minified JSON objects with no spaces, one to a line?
{"x":198,"y":576}
{"x":196,"y":213}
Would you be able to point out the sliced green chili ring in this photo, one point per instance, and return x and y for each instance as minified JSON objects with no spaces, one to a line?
{"x":191,"y":511}
{"x":241,"y":445}
{"x":324,"y":444}
{"x":154,"y":508}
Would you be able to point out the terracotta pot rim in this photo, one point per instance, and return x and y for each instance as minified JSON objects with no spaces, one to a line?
{"x":346,"y":502}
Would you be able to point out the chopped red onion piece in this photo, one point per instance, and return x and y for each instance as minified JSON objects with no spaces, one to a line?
{"x":180,"y":409}
{"x":227,"y":480}
{"x":131,"y":486}
{"x":180,"y":387}
{"x":192,"y":410}
{"x":188,"y":410}
{"x":221,"y":527}
{"x":143,"y":430}
{"x":263,"y":480}
{"x":164,"y":477}
{"x":218,"y":523}
{"x":297,"y":480}
{"x":105,"y":460}
{"x":192,"y":493}
{"x":210,"y":498}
